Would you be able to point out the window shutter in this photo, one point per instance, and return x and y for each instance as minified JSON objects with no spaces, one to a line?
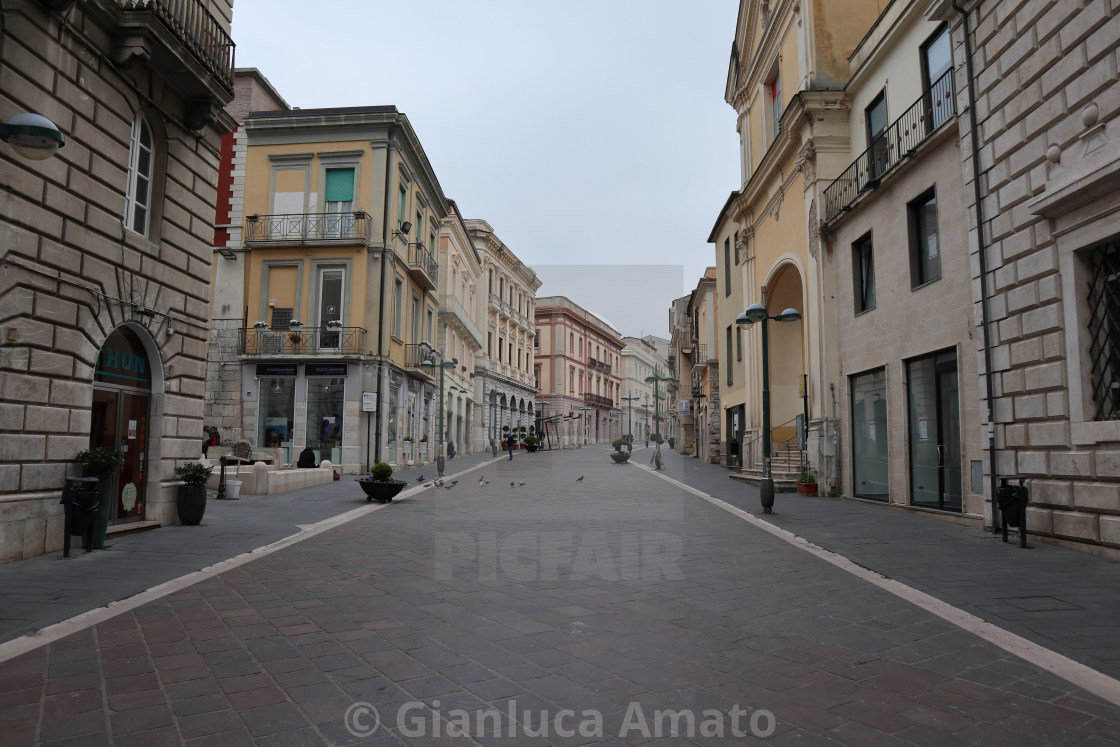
{"x":340,"y":185}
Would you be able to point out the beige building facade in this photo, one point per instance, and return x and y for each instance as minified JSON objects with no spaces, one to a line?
{"x":641,"y":359}
{"x":704,"y":384}
{"x":898,"y":286}
{"x":505,"y":381}
{"x":104,"y":292}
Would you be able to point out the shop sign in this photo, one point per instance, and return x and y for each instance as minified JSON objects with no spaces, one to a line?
{"x":275,"y":369}
{"x":325,"y":369}
{"x":369,"y":401}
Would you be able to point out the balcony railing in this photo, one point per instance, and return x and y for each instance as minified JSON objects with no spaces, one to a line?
{"x":897,"y":143}
{"x":598,"y":399}
{"x":424,"y":269}
{"x":451,"y":306}
{"x":700,"y":354}
{"x":599,"y":365}
{"x":305,"y":227}
{"x":417,"y":353}
{"x":196,"y":28}
{"x":303,"y":341}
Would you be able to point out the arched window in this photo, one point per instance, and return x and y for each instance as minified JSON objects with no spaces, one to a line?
{"x":138,"y":192}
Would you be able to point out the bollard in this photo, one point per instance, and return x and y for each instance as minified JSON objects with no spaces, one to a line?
{"x":1012,"y":501}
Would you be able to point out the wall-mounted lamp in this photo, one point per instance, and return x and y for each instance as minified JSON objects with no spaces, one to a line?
{"x":170,"y":327}
{"x":227,"y":253}
{"x":32,"y":136}
{"x":403,"y":231}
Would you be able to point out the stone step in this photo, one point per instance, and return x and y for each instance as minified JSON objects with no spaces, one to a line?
{"x":783,"y":482}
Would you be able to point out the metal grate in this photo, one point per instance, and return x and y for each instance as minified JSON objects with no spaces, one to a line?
{"x":1104,"y":330}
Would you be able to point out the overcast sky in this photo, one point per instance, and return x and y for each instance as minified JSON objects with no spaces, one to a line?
{"x":588,"y":133}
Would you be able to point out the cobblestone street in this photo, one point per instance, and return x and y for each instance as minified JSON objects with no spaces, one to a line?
{"x":594,"y":603}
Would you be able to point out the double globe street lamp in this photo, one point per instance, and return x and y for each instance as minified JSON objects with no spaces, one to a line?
{"x":445,"y":364}
{"x":756,"y":314}
{"x":656,"y":378}
{"x":629,"y":400}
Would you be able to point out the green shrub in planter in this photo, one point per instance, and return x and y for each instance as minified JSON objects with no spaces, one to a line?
{"x":100,"y":461}
{"x":190,"y":499}
{"x":381,"y":472}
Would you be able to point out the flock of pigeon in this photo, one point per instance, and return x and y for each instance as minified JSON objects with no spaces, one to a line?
{"x":439,"y":482}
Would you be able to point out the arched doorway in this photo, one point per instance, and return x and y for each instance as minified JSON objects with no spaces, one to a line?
{"x":786,"y":354}
{"x":120,"y":419}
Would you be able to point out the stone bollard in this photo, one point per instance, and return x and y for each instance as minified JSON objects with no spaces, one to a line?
{"x":260,"y":478}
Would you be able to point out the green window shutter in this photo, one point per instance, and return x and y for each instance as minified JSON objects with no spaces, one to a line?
{"x":340,"y":185}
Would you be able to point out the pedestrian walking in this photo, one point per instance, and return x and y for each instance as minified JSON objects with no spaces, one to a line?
{"x":510,"y":443}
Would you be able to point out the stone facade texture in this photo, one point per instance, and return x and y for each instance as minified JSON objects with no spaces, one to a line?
{"x":71,"y":272}
{"x":1047,"y":105}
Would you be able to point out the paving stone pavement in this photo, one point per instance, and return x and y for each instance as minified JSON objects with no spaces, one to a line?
{"x":614,"y":597}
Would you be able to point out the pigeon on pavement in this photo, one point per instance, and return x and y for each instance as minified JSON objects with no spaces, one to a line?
{"x":420,"y":478}
{"x":512,"y":483}
{"x":521,"y":483}
{"x":580,"y":478}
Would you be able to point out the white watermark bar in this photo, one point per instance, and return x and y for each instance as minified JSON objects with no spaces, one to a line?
{"x":416,"y":719}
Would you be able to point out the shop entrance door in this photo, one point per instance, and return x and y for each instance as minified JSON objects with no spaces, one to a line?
{"x":935,"y":446}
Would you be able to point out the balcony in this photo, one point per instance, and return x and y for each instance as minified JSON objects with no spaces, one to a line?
{"x":599,"y":365}
{"x":598,"y":400}
{"x":897,"y":143}
{"x":264,"y":342}
{"x":699,"y":355}
{"x":416,"y":353}
{"x":451,"y":307}
{"x":308,"y":228}
{"x":423,"y":268}
{"x":184,"y":43}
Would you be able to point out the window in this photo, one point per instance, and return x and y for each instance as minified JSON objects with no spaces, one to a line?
{"x":402,"y":202}
{"x":501,"y":346}
{"x":735,"y":244}
{"x":490,"y":281}
{"x":1104,"y":330}
{"x":925,"y":257}
{"x":398,"y":307}
{"x":416,"y":317}
{"x":730,"y":369}
{"x":738,"y":343}
{"x":138,"y":191}
{"x":937,"y":87}
{"x":727,"y":267}
{"x":863,"y":273}
{"x":490,"y":344}
{"x":338,"y":197}
{"x":572,"y":380}
{"x":419,"y":227}
{"x":537,"y":339}
{"x":774,"y":103}
{"x":431,"y":319}
{"x":878,"y":154}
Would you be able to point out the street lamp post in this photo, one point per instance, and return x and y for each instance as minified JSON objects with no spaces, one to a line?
{"x":444,"y":364}
{"x":493,"y":421}
{"x":583,"y":417}
{"x":756,"y":313}
{"x":629,"y":399}
{"x":656,"y":378}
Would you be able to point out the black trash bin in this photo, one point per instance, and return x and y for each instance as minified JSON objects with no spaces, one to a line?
{"x":1012,"y":501}
{"x":81,"y":500}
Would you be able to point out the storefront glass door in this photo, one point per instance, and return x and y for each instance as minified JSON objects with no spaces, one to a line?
{"x":934,"y":420}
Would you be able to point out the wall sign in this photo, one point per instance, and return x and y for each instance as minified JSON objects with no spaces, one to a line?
{"x":276,"y":369}
{"x":325,"y":369}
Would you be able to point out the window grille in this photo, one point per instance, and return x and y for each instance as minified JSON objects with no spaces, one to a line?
{"x":1104,"y":330}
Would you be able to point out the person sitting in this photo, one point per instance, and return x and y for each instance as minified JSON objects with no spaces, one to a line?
{"x":450,"y":449}
{"x":307,"y":459}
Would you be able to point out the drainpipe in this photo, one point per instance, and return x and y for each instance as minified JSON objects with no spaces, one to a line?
{"x":983,"y":256}
{"x":385,"y":254}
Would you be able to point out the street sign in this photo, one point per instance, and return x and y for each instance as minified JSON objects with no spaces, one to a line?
{"x":369,"y":401}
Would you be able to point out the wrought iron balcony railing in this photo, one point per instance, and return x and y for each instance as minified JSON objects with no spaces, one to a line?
{"x":308,"y":227}
{"x":599,"y":365}
{"x":415,"y":353}
{"x":424,"y":268}
{"x":196,"y":28}
{"x":598,"y":399}
{"x":897,"y":143}
{"x":302,"y":341}
{"x":700,"y":354}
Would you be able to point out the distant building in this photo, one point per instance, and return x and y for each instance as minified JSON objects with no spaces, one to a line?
{"x":505,"y":381}
{"x":579,"y":361}
{"x":642,"y":359}
{"x":704,"y":385}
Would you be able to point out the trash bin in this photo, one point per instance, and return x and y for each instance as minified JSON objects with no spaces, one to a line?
{"x":233,"y":489}
{"x":1012,"y":501}
{"x":81,"y":500}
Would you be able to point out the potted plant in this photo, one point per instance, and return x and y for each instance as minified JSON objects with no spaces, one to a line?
{"x":262,"y":324}
{"x":190,"y":498}
{"x":100,"y":462}
{"x":334,"y":324}
{"x":532,"y":443}
{"x":379,"y":484}
{"x":618,"y":455}
{"x":407,"y":445}
{"x":807,"y":481}
{"x":360,"y":215}
{"x":423,"y":447}
{"x":295,"y":324}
